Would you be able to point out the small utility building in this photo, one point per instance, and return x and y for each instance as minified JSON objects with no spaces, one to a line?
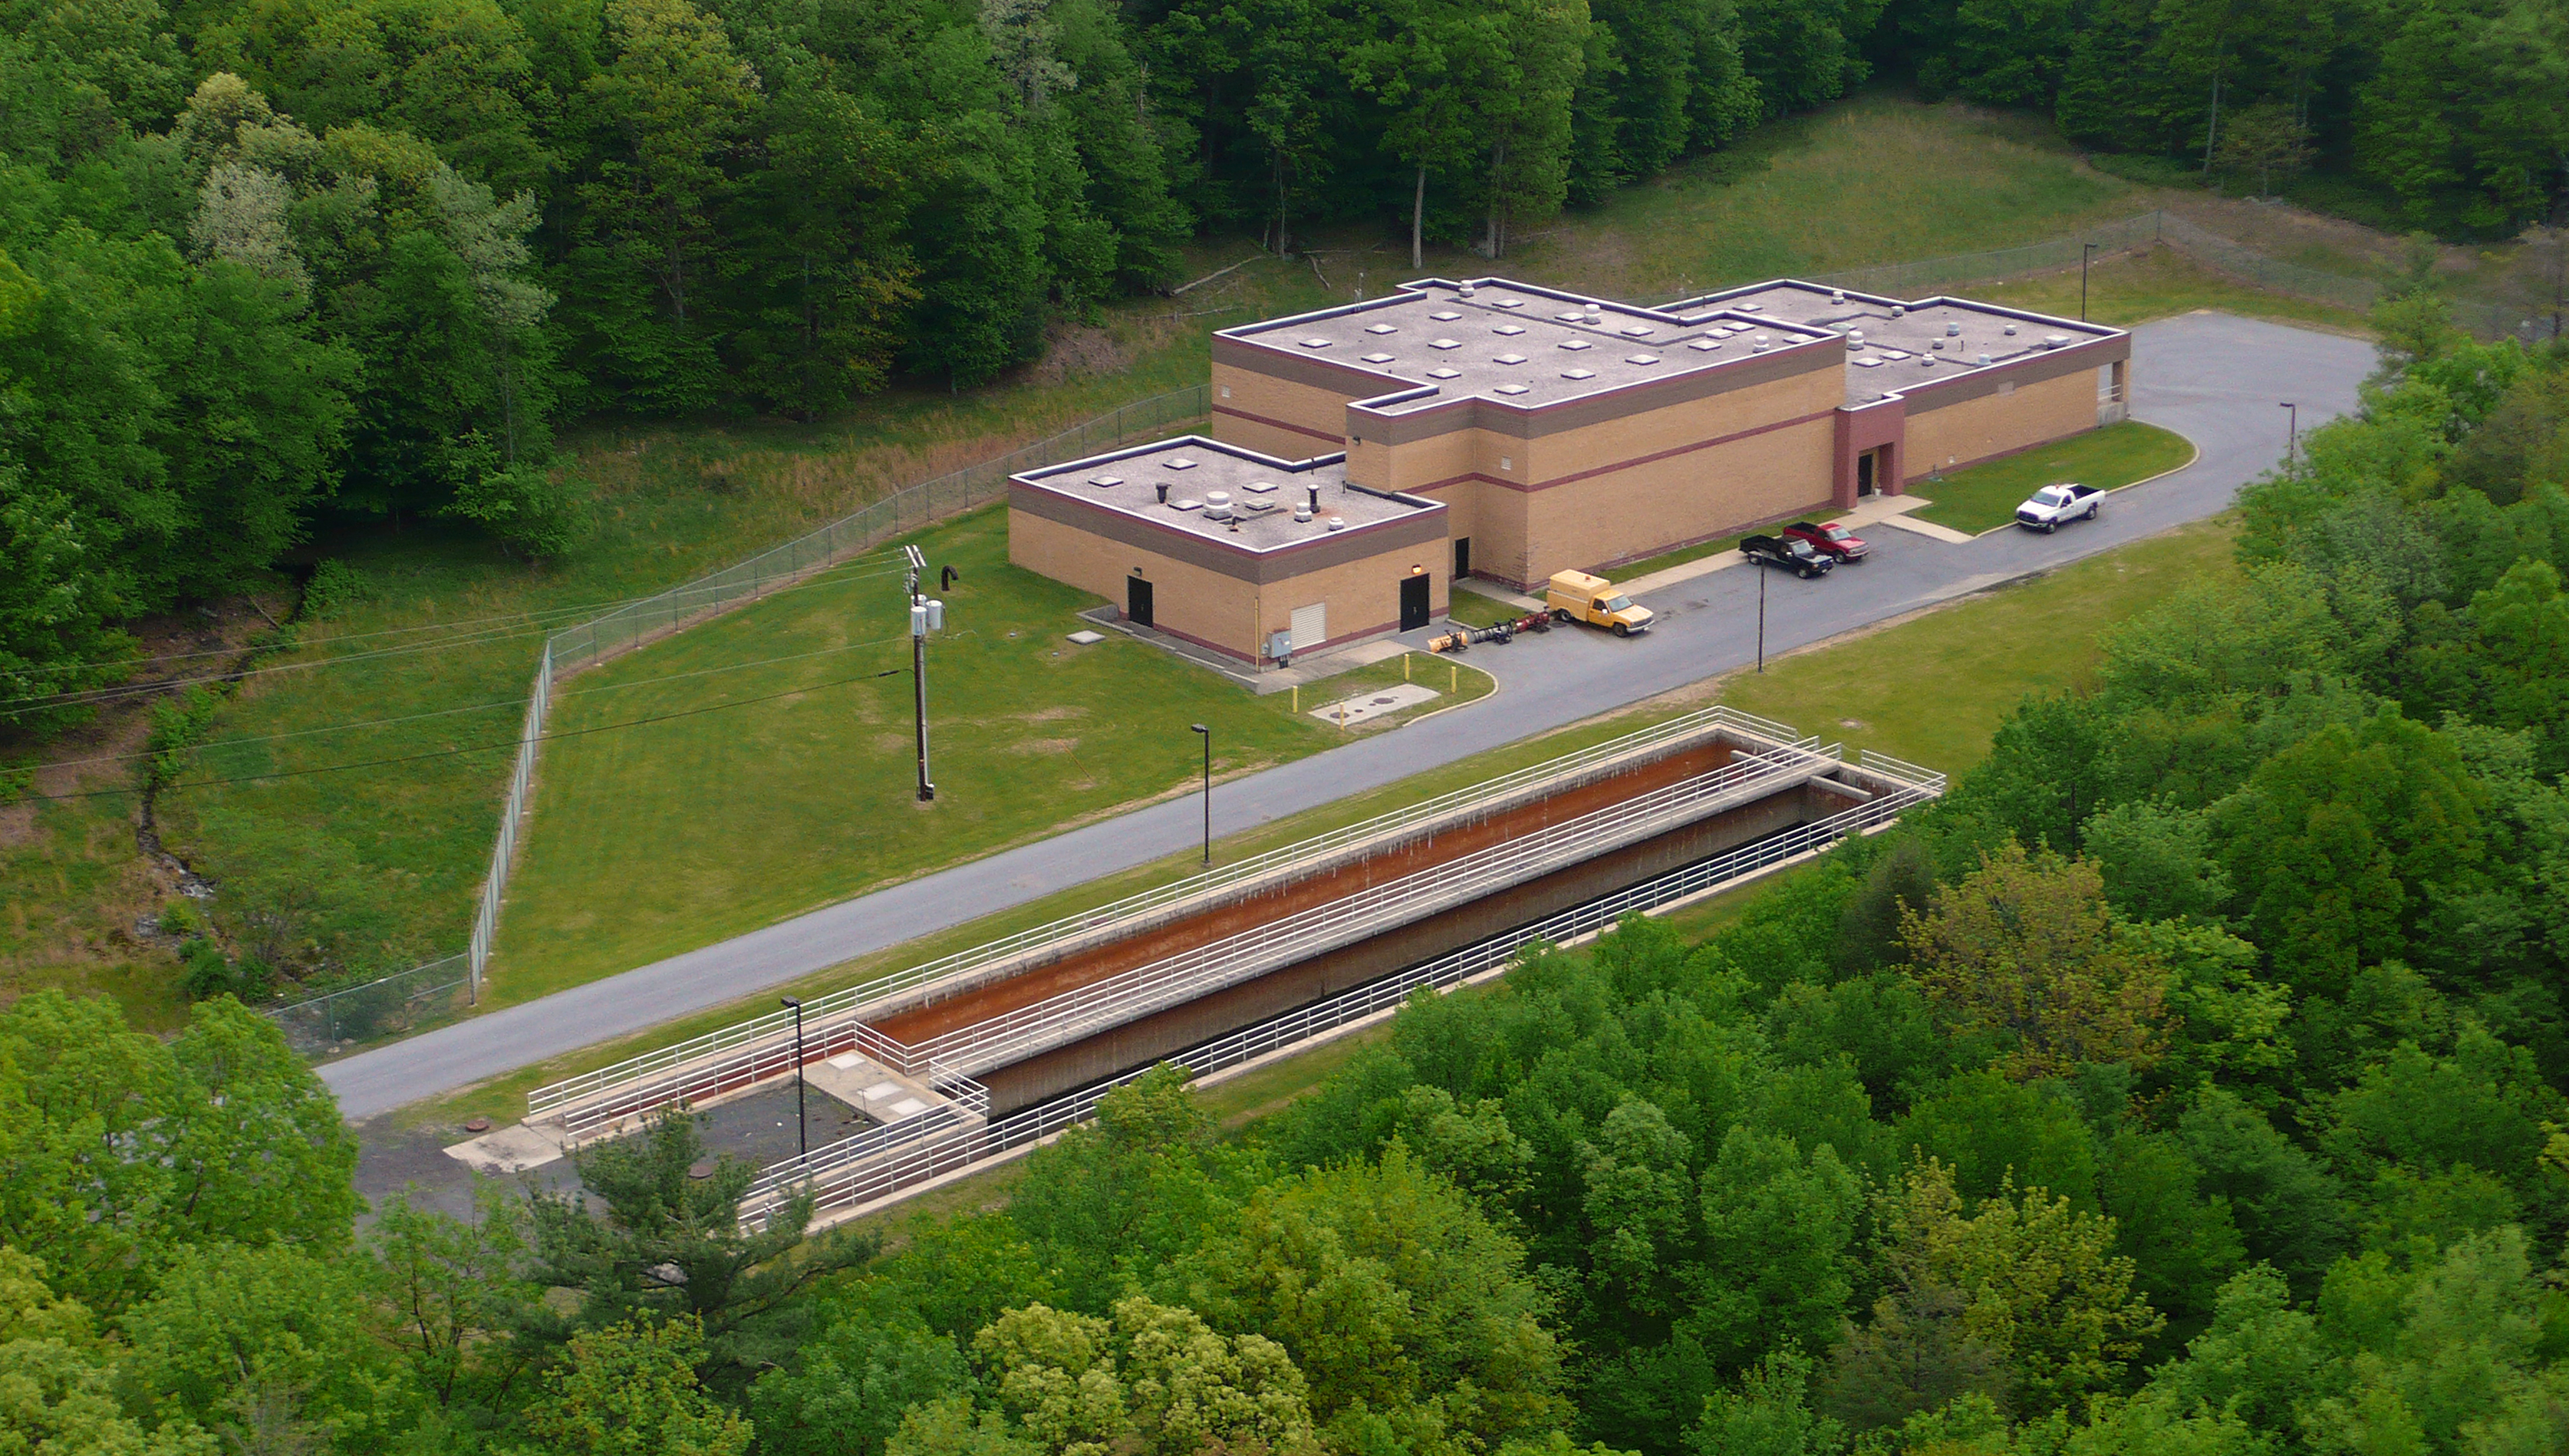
{"x":1487,"y":428}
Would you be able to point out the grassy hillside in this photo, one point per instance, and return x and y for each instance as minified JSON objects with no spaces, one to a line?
{"x":1877,"y":178}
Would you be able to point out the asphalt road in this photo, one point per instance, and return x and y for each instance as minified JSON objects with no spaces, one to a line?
{"x":2212,"y":378}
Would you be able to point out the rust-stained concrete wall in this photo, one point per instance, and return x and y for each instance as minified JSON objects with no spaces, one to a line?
{"x":1174,"y":1030}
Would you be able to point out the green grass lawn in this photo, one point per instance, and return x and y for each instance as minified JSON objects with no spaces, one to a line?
{"x":1933,"y":689}
{"x":1635,"y":570}
{"x":1980,"y":496}
{"x":2159,"y":283}
{"x":650,"y":841}
{"x":1877,"y":178}
{"x":1475,"y":609}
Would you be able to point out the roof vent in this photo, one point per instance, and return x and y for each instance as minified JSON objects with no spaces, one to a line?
{"x":1337,"y":522}
{"x":1578,"y":374}
{"x":1640,"y":358}
{"x":1217,"y":504}
{"x":1186,"y":504}
{"x":1509,"y":303}
{"x":1596,"y":314}
{"x":1444,"y":343}
{"x":1164,"y":492}
{"x":1441,"y":372}
{"x":1927,"y":360}
{"x":1377,"y":357}
{"x":1465,"y":290}
{"x":1444,"y":315}
{"x":1984,"y":361}
{"x":1855,"y":338}
{"x":1262,"y":487}
{"x":1383,"y":328}
{"x":1510,"y":329}
{"x":1704,"y":344}
{"x":1315,"y":343}
{"x":2010,"y":328}
{"x":1178,"y":461}
{"x":1750,"y":307}
{"x":1639,"y":330}
{"x":1837,"y":295}
{"x":1301,"y":511}
{"x":1952,"y":330}
{"x":1512,"y":358}
{"x":1106,"y":482}
{"x":1258,"y":504}
{"x":1574,"y":345}
{"x":1314,"y":505}
{"x":1511,"y":388}
{"x":2055,"y":341}
{"x":1934,"y":343}
{"x":1899,"y":310}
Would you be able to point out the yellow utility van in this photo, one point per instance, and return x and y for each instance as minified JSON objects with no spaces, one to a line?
{"x":1578,"y":597}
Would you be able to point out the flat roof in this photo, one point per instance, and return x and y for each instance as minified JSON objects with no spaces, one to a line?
{"x":1516,"y":344}
{"x":1905,"y":344}
{"x":1262,"y":493}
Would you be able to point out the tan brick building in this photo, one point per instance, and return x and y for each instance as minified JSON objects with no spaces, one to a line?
{"x":1492,"y":429}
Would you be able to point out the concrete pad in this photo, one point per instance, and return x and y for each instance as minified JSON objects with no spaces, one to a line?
{"x":1929,"y":529}
{"x":1085,"y":636}
{"x":1366,"y":706}
{"x":906,"y":1107}
{"x":848,"y":1061}
{"x":512,"y":1149}
{"x":846,"y":1078}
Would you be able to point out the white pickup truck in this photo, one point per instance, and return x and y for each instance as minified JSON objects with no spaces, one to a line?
{"x":2052,"y":504}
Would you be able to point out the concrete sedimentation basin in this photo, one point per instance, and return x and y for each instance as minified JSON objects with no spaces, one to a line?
{"x":979,"y":1055}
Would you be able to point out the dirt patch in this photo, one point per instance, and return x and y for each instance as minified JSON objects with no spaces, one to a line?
{"x":1053,"y":714}
{"x":1045,"y":745}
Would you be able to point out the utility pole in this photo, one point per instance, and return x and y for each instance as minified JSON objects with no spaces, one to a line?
{"x":2086,"y":251}
{"x":2292,"y":433}
{"x":925,"y":615}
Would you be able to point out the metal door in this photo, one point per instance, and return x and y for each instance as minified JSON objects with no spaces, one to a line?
{"x":1413,"y":601}
{"x":1137,"y":602}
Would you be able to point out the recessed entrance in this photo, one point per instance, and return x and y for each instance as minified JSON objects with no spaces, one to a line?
{"x":1865,"y":479}
{"x":1413,"y":601}
{"x":1462,"y":557}
{"x":1137,"y":602}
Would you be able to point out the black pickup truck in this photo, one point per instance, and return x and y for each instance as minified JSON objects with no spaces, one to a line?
{"x":1796,"y":556}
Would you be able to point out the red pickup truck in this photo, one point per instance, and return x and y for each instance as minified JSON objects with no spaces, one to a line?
{"x":1831,"y":539}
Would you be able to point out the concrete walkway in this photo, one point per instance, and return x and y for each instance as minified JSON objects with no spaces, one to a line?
{"x":2211,"y":377}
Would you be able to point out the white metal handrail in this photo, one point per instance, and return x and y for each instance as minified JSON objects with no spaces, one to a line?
{"x":856,"y":1176}
{"x":557,"y":1096}
{"x":1130,"y":995}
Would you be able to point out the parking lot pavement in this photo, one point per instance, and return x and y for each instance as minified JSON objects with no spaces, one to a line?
{"x":2213,"y":378}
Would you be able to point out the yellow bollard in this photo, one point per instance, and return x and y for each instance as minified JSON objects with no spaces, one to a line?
{"x":1298,"y":697}
{"x":1404,"y":667}
{"x":1457,"y":684}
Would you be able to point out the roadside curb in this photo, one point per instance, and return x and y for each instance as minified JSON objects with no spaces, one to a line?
{"x":2128,"y":485}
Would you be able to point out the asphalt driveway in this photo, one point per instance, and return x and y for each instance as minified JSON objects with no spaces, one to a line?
{"x":2213,"y":378}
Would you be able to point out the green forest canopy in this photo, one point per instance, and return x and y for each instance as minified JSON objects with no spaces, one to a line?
{"x":2193,"y":1080}
{"x":259,"y":262}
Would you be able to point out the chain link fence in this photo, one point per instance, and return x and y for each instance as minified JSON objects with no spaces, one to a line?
{"x":907,"y":510}
{"x":396,"y":1005}
{"x":412,"y":1001}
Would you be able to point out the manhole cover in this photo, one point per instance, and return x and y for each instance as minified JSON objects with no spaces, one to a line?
{"x":1385,"y":700}
{"x":702,"y":1168}
{"x":476,"y":1124}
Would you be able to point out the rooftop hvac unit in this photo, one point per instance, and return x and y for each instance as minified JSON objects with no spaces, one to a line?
{"x":1952,"y":330}
{"x":1337,"y":522}
{"x":1899,"y":310}
{"x":1217,"y":504}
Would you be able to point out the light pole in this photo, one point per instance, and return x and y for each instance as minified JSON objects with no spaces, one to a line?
{"x":1761,"y":617}
{"x":802,"y":1139}
{"x":2086,"y":251}
{"x":2291,"y":431}
{"x":927,"y":614}
{"x":1205,"y":734}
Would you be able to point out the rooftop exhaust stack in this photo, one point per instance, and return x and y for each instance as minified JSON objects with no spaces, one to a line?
{"x":1465,"y":290}
{"x":1594,"y":314}
{"x":1164,"y":492}
{"x":1855,"y":338}
{"x":1218,"y":505}
{"x":1837,"y":295}
{"x":1315,"y":508}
